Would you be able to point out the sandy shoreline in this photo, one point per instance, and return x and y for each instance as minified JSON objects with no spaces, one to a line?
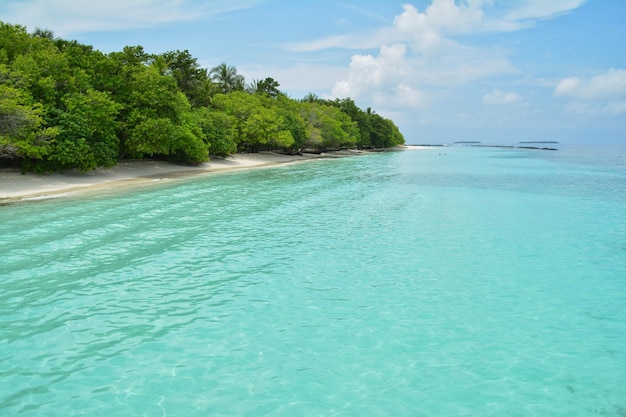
{"x":15,"y":187}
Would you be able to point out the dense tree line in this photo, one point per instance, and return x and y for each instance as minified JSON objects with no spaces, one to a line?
{"x":65,"y":105}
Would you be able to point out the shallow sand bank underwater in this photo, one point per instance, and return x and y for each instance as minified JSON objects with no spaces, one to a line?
{"x":15,"y":186}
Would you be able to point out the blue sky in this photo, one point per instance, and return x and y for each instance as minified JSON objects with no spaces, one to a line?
{"x":443,"y":70}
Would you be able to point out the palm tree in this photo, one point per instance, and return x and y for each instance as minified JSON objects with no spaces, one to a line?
{"x":268,"y":86}
{"x":43,"y":33}
{"x":254,"y":87}
{"x":240,"y":83}
{"x":203,"y":95}
{"x":310,"y":98}
{"x":162,"y":64}
{"x":227,"y":79}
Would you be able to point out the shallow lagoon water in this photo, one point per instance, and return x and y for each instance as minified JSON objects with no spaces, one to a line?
{"x":443,"y":282}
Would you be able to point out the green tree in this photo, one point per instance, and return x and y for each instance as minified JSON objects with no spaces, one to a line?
{"x":161,"y":63}
{"x":204,"y":93}
{"x":289,"y":112}
{"x":218,"y":129}
{"x":65,"y":105}
{"x":349,"y":107}
{"x":330,"y":128}
{"x":385,"y":133}
{"x":160,"y":121}
{"x":120,"y":71}
{"x":22,"y":134}
{"x":44,"y":72}
{"x":14,"y":41}
{"x":192,"y":80}
{"x":87,"y":136}
{"x":227,"y":79}
{"x":257,"y":126}
{"x":268,"y":87}
{"x":87,"y":66}
{"x":43,"y":33}
{"x":311,"y":98}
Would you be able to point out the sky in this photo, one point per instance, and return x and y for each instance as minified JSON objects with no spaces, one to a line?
{"x":494,"y":71}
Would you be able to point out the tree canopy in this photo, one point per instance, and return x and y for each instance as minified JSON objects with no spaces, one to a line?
{"x":64,"y":105}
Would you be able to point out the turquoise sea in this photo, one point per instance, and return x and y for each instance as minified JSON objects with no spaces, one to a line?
{"x":445,"y":282}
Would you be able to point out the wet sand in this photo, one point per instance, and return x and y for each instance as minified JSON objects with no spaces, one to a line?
{"x":15,"y":186}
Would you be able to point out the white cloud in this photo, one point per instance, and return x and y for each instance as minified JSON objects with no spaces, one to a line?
{"x":382,"y":80}
{"x":423,"y":51}
{"x":324,"y":43}
{"x":445,"y":19}
{"x":602,"y":94}
{"x":389,"y":65}
{"x":500,"y":97}
{"x":422,"y":30}
{"x":399,"y":97}
{"x":541,"y":9}
{"x":610,"y":85}
{"x":423,"y":57}
{"x":527,"y":13}
{"x":68,"y":17}
{"x":395,"y":77}
{"x":427,"y":30}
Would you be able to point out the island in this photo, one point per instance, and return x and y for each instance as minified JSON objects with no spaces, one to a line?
{"x":65,"y":106}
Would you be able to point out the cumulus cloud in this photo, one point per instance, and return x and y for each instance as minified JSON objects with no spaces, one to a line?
{"x":376,"y":72}
{"x":68,"y":17}
{"x":419,"y":52}
{"x":610,"y":85}
{"x":426,"y":30}
{"x":497,"y":97}
{"x":424,"y":51}
{"x":382,"y":80}
{"x":604,"y":93}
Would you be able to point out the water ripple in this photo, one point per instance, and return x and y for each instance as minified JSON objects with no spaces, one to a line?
{"x":393,"y":284}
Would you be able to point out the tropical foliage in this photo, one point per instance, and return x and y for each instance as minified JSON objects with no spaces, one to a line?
{"x":64,"y":105}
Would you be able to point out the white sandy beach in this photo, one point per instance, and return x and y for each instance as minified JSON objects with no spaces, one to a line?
{"x":15,"y":186}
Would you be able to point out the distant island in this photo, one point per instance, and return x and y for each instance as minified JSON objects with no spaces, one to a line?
{"x":540,"y":141}
{"x":65,"y":105}
{"x":479,"y":144}
{"x":532,"y":144}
